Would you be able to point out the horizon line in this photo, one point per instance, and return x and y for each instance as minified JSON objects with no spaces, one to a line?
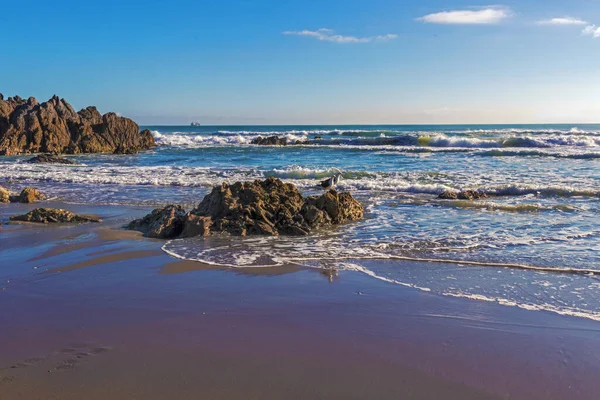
{"x":385,"y":124}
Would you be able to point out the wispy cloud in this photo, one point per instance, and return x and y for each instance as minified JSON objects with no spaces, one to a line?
{"x":480,"y":16}
{"x":328,"y":35}
{"x":563,"y":21}
{"x":592,"y":30}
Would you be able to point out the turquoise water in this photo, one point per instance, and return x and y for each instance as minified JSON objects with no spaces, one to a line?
{"x":542,"y":212}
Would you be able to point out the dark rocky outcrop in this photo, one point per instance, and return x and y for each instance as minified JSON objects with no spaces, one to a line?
{"x":162,"y":223}
{"x":49,"y":159}
{"x":270,"y":207}
{"x":27,"y":126}
{"x":196,"y":225}
{"x":448,"y":195}
{"x":462,"y":195}
{"x":471,"y":195}
{"x":53,"y":215}
{"x":277,"y":141}
{"x":331,"y":208}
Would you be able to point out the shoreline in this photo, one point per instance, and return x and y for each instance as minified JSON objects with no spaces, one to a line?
{"x":94,"y":303}
{"x":119,"y":215}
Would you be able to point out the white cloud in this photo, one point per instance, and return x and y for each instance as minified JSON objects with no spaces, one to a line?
{"x":383,"y":38}
{"x":591,"y":30}
{"x":328,"y":35}
{"x":563,"y":21}
{"x":487,"y":15}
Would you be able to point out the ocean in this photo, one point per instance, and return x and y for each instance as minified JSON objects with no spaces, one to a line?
{"x":534,"y":243}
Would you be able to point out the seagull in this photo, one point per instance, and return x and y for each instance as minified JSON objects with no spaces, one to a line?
{"x":330,"y":183}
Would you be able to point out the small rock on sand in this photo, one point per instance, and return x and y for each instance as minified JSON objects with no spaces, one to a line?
{"x":53,"y":215}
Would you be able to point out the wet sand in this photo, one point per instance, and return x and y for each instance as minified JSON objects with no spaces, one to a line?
{"x":89,"y":312}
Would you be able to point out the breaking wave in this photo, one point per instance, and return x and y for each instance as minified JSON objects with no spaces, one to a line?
{"x":385,"y":140}
{"x":303,"y":177}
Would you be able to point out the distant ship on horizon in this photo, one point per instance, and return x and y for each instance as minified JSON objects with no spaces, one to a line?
{"x":195,"y":124}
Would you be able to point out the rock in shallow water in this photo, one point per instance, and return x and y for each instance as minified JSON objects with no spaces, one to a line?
{"x":276,"y":141}
{"x":161,"y":223}
{"x":53,"y":215}
{"x":49,"y":159}
{"x":471,"y":195}
{"x":270,"y":207}
{"x":462,"y":195}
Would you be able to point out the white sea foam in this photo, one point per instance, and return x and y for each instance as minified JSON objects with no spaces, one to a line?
{"x":542,"y":190}
{"x":303,"y":177}
{"x":517,"y":131}
{"x":519,"y":207}
{"x":187,"y":140}
{"x":515,"y":141}
{"x":561,"y":310}
{"x":553,"y":308}
{"x":385,"y":139}
{"x":575,"y":154}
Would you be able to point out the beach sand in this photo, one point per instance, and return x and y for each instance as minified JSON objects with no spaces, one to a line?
{"x":93,"y":312}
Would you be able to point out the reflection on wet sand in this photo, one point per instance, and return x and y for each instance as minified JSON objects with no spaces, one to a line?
{"x":181,"y":267}
{"x":116,"y":234}
{"x":111,"y":258}
{"x":63,"y":248}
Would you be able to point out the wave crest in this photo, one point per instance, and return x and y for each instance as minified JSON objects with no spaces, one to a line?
{"x":380,"y":139}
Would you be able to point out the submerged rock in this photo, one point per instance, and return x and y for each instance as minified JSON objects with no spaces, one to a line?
{"x":270,"y":207}
{"x":277,"y":141}
{"x":471,"y":195}
{"x":49,"y":158}
{"x":161,"y":223}
{"x":462,"y":195}
{"x":448,"y":195}
{"x":53,"y":215}
{"x":27,"y":126}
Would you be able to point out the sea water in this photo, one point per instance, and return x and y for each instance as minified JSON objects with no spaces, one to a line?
{"x":534,"y":243}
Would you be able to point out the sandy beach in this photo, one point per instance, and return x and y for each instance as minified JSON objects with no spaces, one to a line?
{"x":94,"y":312}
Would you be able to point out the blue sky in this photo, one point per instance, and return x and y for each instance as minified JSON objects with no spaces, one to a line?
{"x":350,"y":61}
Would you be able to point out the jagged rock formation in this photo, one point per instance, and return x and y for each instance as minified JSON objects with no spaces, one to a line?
{"x":52,"y":215}
{"x":462,"y":195}
{"x":162,"y":223}
{"x":27,"y":126}
{"x":276,"y":141}
{"x":270,"y":207}
{"x":49,"y":159}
